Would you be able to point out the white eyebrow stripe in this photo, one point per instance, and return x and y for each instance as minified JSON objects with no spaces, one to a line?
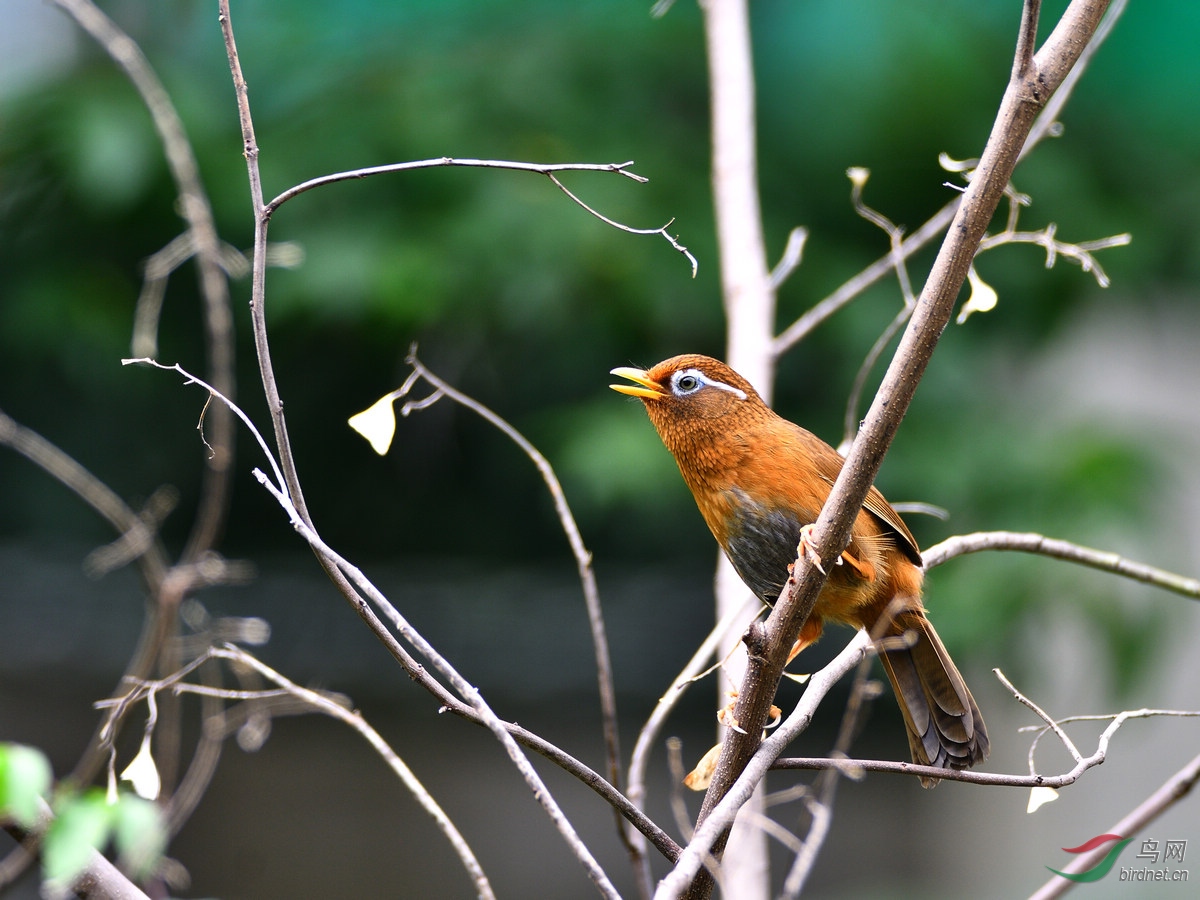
{"x":712,"y":382}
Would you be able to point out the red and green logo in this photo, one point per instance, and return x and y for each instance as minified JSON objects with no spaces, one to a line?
{"x":1100,"y":869}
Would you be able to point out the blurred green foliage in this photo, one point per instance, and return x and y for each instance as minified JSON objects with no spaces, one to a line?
{"x":524,"y":301}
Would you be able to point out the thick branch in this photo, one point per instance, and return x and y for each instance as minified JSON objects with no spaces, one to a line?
{"x":936,"y":224}
{"x":1028,"y":90}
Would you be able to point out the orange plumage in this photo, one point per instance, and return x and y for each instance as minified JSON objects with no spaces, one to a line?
{"x":758,"y":479}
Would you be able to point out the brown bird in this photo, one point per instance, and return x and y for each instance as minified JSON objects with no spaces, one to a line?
{"x":759,"y":480}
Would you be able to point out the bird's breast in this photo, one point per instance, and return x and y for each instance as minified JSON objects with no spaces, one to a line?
{"x":760,"y":540}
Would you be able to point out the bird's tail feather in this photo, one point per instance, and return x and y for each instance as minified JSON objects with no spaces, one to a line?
{"x":945,"y":727}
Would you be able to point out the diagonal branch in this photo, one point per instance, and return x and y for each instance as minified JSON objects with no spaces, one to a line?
{"x":1047,"y":125}
{"x":1028,"y":91}
{"x":311,"y":700}
{"x":1168,"y":794}
{"x":469,"y":702}
{"x":583,"y":557}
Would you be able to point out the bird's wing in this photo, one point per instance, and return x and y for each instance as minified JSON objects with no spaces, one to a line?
{"x":828,"y":463}
{"x":882,"y":510}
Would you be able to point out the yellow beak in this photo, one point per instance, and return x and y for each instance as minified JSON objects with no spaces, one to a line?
{"x":644,"y":387}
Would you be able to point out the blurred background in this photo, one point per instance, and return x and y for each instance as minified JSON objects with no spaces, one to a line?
{"x":1070,"y":410}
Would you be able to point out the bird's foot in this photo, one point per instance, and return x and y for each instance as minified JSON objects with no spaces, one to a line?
{"x":726,"y":717}
{"x":805,"y":548}
{"x":725,"y":714}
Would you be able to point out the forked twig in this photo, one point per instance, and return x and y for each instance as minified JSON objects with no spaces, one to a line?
{"x":320,"y":702}
{"x":469,"y":694}
{"x":1046,"y":125}
{"x":583,"y":557}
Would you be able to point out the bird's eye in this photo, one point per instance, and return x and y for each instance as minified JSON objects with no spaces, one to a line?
{"x":687,"y":383}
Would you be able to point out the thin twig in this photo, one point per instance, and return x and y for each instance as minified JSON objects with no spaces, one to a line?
{"x":194,"y":207}
{"x":1080,"y":252}
{"x":369,"y":171}
{"x":793,"y":254}
{"x":1040,"y":545}
{"x":819,"y":801}
{"x":355,"y":720}
{"x":661,"y":841}
{"x":850,"y":419}
{"x":583,"y":557}
{"x":968,"y":776}
{"x":1047,"y":124}
{"x":723,"y":813}
{"x":850,"y":290}
{"x":1045,"y":717}
{"x":293,"y":499}
{"x":468,"y":692}
{"x":719,"y":635}
{"x":464,"y":688}
{"x":333,"y":706}
{"x":673,"y":241}
{"x":547,"y":169}
{"x":1167,"y":795}
{"x":647,"y":737}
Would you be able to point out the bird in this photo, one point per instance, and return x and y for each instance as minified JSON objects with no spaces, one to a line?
{"x":760,"y":482}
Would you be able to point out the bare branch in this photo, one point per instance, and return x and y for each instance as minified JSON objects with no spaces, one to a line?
{"x":721,"y":817}
{"x":1168,"y":794}
{"x":202,"y":236}
{"x":355,"y":720}
{"x":1022,"y":101}
{"x":819,"y":800}
{"x":1028,"y":542}
{"x":90,"y":489}
{"x":343,"y":577}
{"x":850,"y":419}
{"x":1046,"y":125}
{"x":464,"y":688}
{"x":442,"y":161}
{"x":793,"y":254}
{"x":547,"y":169}
{"x":583,"y":557}
{"x":1081,"y":253}
{"x":850,"y":290}
{"x":732,"y":622}
{"x":1041,"y":714}
{"x":467,"y":691}
{"x":969,"y":776}
{"x":673,"y":241}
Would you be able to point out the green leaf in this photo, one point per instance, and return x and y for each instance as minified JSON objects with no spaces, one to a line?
{"x":140,"y":833}
{"x":82,"y":824}
{"x":24,"y":777}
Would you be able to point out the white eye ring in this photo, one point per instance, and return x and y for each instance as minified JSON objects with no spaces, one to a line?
{"x":687,"y":381}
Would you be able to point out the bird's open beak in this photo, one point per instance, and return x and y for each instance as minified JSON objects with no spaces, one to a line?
{"x":644,"y":387}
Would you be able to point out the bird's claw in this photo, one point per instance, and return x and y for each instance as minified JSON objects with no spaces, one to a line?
{"x":806,"y":550}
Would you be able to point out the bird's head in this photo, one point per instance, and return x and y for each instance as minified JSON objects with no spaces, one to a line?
{"x":691,"y":398}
